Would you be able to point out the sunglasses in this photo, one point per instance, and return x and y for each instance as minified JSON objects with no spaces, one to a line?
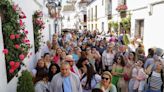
{"x":104,"y":78}
{"x":69,"y":61}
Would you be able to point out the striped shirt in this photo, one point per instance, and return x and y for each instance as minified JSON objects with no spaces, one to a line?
{"x":155,"y":81}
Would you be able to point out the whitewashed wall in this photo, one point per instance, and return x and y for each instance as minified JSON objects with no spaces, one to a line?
{"x":101,"y":17}
{"x":28,"y":7}
{"x":153,"y":24}
{"x":133,"y":4}
{"x":137,"y":15}
{"x":3,"y":80}
{"x":69,"y":24}
{"x":153,"y":35}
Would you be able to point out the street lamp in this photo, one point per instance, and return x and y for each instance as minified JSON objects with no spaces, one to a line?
{"x":53,"y":6}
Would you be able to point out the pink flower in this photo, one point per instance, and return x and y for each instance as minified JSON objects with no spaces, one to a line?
{"x":16,"y":46}
{"x":17,"y":64}
{"x":21,"y":56}
{"x":121,"y":7}
{"x":5,"y":51}
{"x":22,"y":15}
{"x":15,"y":6}
{"x":20,"y":22}
{"x":12,"y":36}
{"x":17,"y":36}
{"x":11,"y":70}
{"x":26,"y":32}
{"x":12,"y":63}
{"x":27,"y":41}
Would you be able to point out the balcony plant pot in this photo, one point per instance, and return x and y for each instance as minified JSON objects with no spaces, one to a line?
{"x":122,"y":14}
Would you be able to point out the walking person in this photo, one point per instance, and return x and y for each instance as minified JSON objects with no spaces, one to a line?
{"x":65,"y":81}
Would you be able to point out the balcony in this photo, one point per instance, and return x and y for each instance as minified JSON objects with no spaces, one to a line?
{"x":122,"y":10}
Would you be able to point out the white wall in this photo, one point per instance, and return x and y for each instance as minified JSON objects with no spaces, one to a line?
{"x":153,"y":35}
{"x":137,"y":15}
{"x":133,"y":4}
{"x":101,"y":17}
{"x":153,"y":24}
{"x":3,"y":80}
{"x":66,"y":23}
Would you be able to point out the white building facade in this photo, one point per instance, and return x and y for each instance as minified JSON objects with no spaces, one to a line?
{"x":68,"y":15}
{"x":98,"y":12}
{"x":146,"y":21}
{"x":81,"y":14}
{"x":145,"y":18}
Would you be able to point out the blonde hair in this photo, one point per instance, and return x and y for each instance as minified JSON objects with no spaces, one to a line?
{"x":110,"y":76}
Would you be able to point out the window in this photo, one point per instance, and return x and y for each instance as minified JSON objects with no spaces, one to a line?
{"x":92,"y":14}
{"x":108,"y":8}
{"x":102,"y":26}
{"x":96,"y":13}
{"x":95,"y":26}
{"x":85,"y":18}
{"x":139,"y":28}
{"x":92,"y":27}
{"x":102,"y":2}
{"x":88,"y":27}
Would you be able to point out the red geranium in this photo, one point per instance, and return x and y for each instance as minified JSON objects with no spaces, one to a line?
{"x":121,"y":8}
{"x":11,"y":70}
{"x":12,"y":36}
{"x":16,"y":46}
{"x":12,"y":63}
{"x":17,"y":35}
{"x":21,"y":56}
{"x":5,"y":51}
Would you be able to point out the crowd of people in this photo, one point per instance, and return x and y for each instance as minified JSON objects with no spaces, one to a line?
{"x":82,"y":62}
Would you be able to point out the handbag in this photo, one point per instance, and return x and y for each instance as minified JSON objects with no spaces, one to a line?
{"x":126,"y":77}
{"x":121,"y":82}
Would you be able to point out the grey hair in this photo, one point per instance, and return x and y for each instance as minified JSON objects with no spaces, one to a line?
{"x":64,"y":63}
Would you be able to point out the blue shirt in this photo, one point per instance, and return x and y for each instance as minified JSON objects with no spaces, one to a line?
{"x":67,"y":84}
{"x":75,"y":57}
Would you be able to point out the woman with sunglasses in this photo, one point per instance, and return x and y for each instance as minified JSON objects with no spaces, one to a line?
{"x":106,"y":83}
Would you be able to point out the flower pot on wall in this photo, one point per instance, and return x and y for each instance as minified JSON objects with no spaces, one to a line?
{"x":122,"y":14}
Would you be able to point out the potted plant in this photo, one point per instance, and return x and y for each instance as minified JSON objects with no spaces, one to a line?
{"x":122,"y":9}
{"x":25,"y":82}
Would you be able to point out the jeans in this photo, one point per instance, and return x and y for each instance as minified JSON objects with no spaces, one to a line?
{"x":150,"y":90}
